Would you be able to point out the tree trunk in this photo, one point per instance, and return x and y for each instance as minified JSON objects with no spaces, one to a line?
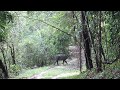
{"x":86,"y":38}
{"x":98,"y":47}
{"x":80,"y":49}
{"x":76,"y":42}
{"x":3,"y":66}
{"x":99,"y":63}
{"x":13,"y":56}
{"x":3,"y":54}
{"x":4,"y":71}
{"x":92,"y":39}
{"x":13,"y":53}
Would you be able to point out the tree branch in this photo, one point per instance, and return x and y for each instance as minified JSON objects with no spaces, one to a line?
{"x":117,"y":58}
{"x":52,"y":26}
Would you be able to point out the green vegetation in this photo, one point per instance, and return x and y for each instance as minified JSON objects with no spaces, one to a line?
{"x":111,"y":72}
{"x":58,"y":71}
{"x":49,"y":73}
{"x":30,"y":72}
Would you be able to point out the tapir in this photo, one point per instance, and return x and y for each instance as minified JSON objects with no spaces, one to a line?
{"x":60,"y":57}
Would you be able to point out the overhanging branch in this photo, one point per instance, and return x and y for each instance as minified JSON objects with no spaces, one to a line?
{"x":49,"y":25}
{"x":52,"y":26}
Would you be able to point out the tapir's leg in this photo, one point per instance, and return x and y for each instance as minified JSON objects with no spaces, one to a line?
{"x":63,"y":62}
{"x":57,"y":62}
{"x":66,"y":62}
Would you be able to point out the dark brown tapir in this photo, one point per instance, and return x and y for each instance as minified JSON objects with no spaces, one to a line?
{"x":60,"y":57}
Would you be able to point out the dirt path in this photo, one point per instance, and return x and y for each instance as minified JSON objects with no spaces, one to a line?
{"x":40,"y":76}
{"x":72,"y":64}
{"x":65,"y":75}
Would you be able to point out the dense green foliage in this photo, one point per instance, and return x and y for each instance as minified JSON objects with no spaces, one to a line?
{"x":5,"y":18}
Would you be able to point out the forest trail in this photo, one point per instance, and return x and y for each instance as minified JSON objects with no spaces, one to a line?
{"x":65,"y":75}
{"x":56,"y":72}
{"x":72,"y":65}
{"x":39,"y":76}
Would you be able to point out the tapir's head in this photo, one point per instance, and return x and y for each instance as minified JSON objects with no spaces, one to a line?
{"x":69,"y":56}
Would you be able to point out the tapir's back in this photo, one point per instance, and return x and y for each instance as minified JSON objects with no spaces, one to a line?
{"x":61,"y":57}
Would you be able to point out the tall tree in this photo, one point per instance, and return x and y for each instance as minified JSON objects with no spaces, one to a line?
{"x":89,"y":64}
{"x":99,"y":63}
{"x":12,"y":53}
{"x":5,"y":19}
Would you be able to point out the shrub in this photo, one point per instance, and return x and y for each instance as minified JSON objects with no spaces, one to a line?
{"x":15,"y":69}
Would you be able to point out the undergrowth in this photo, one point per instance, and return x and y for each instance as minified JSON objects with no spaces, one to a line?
{"x":111,"y":72}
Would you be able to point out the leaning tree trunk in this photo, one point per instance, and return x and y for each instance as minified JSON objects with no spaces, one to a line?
{"x":86,"y":38}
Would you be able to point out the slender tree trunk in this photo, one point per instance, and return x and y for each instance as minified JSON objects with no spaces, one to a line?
{"x":13,"y":56}
{"x":76,"y":42}
{"x":98,"y":47}
{"x":80,"y":51}
{"x":119,"y":46}
{"x":106,"y":44}
{"x":86,"y":38}
{"x":13,"y":53}
{"x":99,"y":63}
{"x":92,"y":39}
{"x":102,"y":51}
